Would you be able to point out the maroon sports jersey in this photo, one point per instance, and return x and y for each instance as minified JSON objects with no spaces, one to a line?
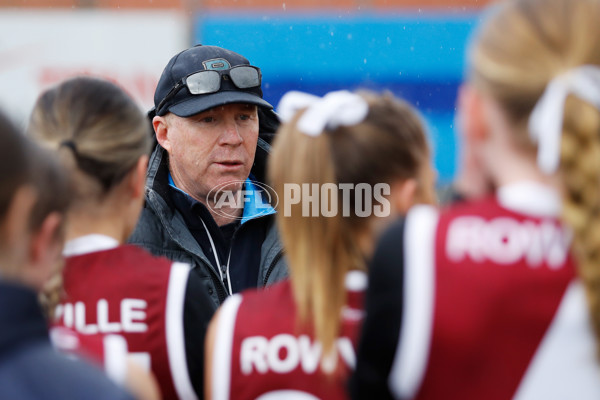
{"x":126,"y":291}
{"x":490,"y":305}
{"x":260,"y":353}
{"x":499,"y":279}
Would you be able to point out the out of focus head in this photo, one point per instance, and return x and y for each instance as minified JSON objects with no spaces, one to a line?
{"x":34,"y":197}
{"x":517,"y":51}
{"x":364,"y":158}
{"x":529,"y":53}
{"x":47,"y":220}
{"x":101,"y":136}
{"x":17,"y":197}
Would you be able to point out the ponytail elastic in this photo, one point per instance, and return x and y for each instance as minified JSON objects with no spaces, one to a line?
{"x":546,"y":119}
{"x":100,"y":170}
{"x":70,"y":144}
{"x":323,"y":113}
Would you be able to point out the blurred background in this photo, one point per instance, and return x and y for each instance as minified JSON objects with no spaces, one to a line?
{"x":413,"y":48}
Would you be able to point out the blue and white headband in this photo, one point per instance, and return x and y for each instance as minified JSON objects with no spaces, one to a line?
{"x":335,"y":109}
{"x":546,"y":119}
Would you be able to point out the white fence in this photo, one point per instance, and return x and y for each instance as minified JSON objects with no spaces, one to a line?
{"x":39,"y":48}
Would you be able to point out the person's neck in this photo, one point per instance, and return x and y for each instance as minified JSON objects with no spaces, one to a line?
{"x":504,"y":158}
{"x":82,"y":224}
{"x":520,"y":168}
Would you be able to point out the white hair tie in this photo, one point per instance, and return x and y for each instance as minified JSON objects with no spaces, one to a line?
{"x":340,"y":108}
{"x":546,"y":119}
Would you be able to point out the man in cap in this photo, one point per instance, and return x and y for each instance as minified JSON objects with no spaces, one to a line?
{"x":205,"y":204}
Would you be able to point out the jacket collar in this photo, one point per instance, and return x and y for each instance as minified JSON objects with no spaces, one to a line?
{"x":255,"y":204}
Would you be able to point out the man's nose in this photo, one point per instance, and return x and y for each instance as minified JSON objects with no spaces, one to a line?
{"x":231,"y":134}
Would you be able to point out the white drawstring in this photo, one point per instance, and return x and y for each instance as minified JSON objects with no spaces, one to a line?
{"x":227,"y":271}
{"x":546,"y":119}
{"x":214,"y":249}
{"x":329,"y":112}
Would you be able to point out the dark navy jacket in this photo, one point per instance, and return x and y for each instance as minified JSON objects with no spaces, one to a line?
{"x":30,"y":368}
{"x":164,"y":231}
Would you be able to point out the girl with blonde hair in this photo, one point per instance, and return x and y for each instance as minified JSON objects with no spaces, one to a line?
{"x":499,"y":297}
{"x":341,"y":167}
{"x":158,"y":306}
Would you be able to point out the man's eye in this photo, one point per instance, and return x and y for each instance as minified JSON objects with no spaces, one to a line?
{"x":245,"y":117}
{"x":207,"y":119}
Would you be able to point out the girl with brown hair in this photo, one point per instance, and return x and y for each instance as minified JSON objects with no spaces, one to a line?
{"x":30,"y":243}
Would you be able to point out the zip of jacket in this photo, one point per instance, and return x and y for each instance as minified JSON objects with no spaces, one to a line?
{"x":272,"y":266}
{"x":216,"y":279}
{"x":221,"y":291}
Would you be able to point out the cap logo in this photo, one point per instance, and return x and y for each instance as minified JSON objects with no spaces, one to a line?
{"x":216,"y":64}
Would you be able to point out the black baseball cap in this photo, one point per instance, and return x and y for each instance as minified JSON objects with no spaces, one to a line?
{"x":201,"y":58}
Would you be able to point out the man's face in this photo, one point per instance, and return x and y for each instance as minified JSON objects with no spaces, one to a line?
{"x":211,"y":148}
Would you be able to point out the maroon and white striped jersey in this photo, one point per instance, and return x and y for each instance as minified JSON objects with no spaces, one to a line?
{"x":260,"y":352}
{"x":488,"y":305}
{"x":124,"y":290}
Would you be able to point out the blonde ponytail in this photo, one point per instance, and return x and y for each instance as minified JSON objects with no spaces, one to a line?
{"x":388,"y":146}
{"x":580,"y":166}
{"x":524,"y":45}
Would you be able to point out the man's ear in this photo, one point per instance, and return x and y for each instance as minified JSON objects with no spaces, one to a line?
{"x":471,"y":114}
{"x":161,"y":128}
{"x":138,"y":177}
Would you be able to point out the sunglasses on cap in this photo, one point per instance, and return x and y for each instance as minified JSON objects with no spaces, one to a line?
{"x":209,"y":81}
